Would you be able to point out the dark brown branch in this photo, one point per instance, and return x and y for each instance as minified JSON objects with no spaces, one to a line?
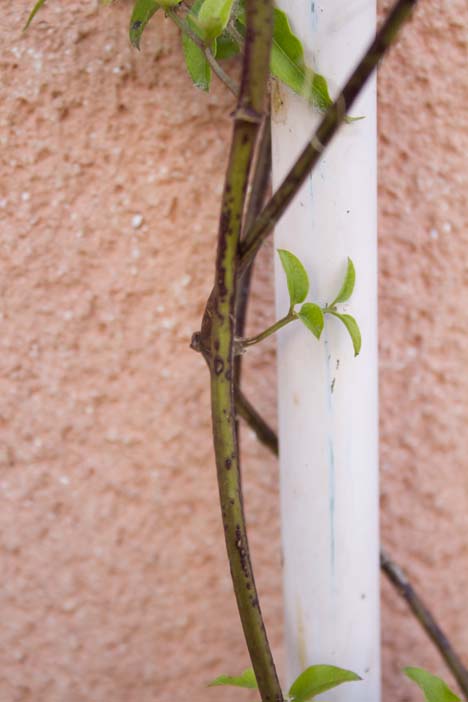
{"x":263,"y":431}
{"x":395,"y":575}
{"x":328,"y":127}
{"x":424,"y":616}
{"x":258,"y":189}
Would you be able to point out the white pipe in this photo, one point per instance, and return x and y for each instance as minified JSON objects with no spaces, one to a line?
{"x":328,"y":423}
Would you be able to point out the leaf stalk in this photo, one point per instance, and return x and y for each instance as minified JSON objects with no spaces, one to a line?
{"x":217,"y":70}
{"x":290,"y":317}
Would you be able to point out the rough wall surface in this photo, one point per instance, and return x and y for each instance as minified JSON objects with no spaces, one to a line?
{"x":114,"y":582}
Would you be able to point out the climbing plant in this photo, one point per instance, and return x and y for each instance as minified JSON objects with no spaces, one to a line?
{"x":213,"y":31}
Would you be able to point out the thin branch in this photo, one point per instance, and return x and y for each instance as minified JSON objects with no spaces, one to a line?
{"x":244,"y":343}
{"x":262,"y":429}
{"x":216,"y":340}
{"x":258,"y":188}
{"x":234,"y":33}
{"x":424,"y":616}
{"x":328,"y":127}
{"x":394,"y":573}
{"x":186,"y":29}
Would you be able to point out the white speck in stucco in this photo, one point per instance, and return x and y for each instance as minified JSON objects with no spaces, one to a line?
{"x":168,"y":323}
{"x":137,"y":221}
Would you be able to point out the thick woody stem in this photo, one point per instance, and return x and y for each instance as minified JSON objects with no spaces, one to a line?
{"x":216,"y":340}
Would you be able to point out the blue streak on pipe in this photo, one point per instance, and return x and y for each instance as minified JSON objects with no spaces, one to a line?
{"x":331,"y":490}
{"x":313,"y":13}
{"x":331,"y":458}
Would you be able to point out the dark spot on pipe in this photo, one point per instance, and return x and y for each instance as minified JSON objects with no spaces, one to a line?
{"x":228,"y":463}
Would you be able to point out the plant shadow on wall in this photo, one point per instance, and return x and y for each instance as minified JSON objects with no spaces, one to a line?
{"x":211,"y":32}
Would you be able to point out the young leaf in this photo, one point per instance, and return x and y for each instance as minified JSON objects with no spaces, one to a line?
{"x":33,"y":13}
{"x":317,"y":679}
{"x":213,"y":17}
{"x":312,"y":316}
{"x":435,"y":689}
{"x":288,"y":64}
{"x":143,"y":10}
{"x":197,"y":65}
{"x":353,"y":330}
{"x":296,"y":276}
{"x":347,"y":287}
{"x":245,"y":679}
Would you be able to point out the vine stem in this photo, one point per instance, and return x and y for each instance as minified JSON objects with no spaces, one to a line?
{"x":230,"y":84}
{"x":216,"y":339}
{"x":394,"y":573}
{"x":332,"y":120}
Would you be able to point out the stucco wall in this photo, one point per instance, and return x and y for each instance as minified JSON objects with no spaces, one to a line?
{"x":114,"y":581}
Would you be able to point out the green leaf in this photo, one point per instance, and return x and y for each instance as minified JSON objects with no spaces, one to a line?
{"x":226,"y":47}
{"x":197,"y":66}
{"x":347,"y":287}
{"x":296,"y":276}
{"x":288,"y":64}
{"x":143,"y":10}
{"x":317,"y":679}
{"x":434,"y":688}
{"x":213,"y":17}
{"x":352,"y":327}
{"x":245,"y":679}
{"x":33,"y":13}
{"x":312,"y":316}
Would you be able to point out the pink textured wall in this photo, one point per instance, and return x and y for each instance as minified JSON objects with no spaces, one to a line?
{"x":114,"y":578}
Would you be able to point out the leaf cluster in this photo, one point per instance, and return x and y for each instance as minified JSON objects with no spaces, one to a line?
{"x":311,"y":314}
{"x":220,"y":27}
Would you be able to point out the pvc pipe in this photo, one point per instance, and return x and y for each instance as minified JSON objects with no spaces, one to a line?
{"x":328,"y":424}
